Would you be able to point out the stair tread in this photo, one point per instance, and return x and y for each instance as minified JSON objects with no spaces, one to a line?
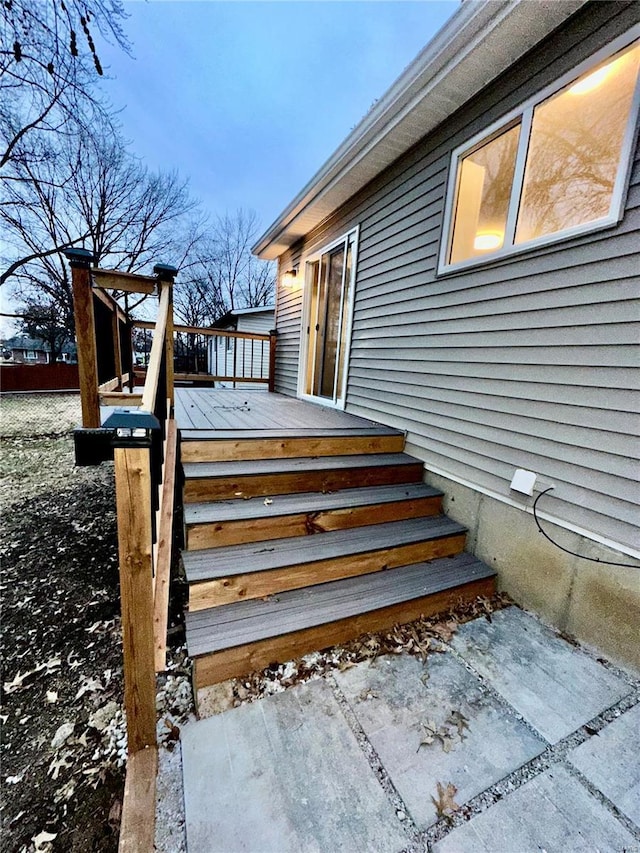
{"x":209,"y":512}
{"x":276,"y":433}
{"x":229,"y":560}
{"x":252,"y":468}
{"x":250,"y":621}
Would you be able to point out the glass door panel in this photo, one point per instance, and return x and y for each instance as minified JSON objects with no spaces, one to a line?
{"x":329,"y":283}
{"x":335,"y":271}
{"x":313,"y":272}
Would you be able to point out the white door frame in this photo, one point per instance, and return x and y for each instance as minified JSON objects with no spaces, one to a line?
{"x":349,"y":237}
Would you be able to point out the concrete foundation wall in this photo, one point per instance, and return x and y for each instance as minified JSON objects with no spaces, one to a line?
{"x":597,"y":603}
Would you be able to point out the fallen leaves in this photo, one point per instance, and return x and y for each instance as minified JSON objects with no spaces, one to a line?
{"x":455,"y":724}
{"x":43,"y":841}
{"x":420,"y":638}
{"x":62,"y":735}
{"x":445,"y":803}
{"x":18,"y":681}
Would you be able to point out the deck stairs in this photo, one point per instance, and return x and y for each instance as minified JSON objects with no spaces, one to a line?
{"x":297,"y":542}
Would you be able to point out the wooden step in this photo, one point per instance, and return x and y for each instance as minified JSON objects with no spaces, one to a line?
{"x":220,"y":576}
{"x":219,"y":523}
{"x":245,"y":479}
{"x":230,"y":641}
{"x":219,"y":445}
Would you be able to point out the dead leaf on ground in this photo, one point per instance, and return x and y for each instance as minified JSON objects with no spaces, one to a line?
{"x":458,"y":719}
{"x":445,"y":630}
{"x":115,"y":813}
{"x":445,"y":804}
{"x":43,"y":841}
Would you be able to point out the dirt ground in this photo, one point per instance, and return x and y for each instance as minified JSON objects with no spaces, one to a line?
{"x":62,"y":755}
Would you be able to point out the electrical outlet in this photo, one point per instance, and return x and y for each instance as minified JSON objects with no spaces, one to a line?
{"x":523,"y":481}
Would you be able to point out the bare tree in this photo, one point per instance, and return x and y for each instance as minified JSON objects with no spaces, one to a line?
{"x":48,"y":62}
{"x":94,"y":192}
{"x":46,"y":321}
{"x":224,"y":274}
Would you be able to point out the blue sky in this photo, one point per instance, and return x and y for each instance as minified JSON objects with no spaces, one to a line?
{"x":248,"y":99}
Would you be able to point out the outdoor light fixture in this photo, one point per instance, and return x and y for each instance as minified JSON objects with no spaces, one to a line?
{"x":289,"y":278}
{"x":131,"y":426}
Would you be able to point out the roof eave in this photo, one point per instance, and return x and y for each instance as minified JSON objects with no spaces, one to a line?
{"x":478,"y":43}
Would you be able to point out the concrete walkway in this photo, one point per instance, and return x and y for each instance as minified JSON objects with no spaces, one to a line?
{"x":510,"y":740}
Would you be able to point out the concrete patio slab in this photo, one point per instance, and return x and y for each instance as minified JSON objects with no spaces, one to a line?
{"x":284,"y":774}
{"x":611,"y":761}
{"x":393,"y":701}
{"x":556,"y":687}
{"x":552,"y":812}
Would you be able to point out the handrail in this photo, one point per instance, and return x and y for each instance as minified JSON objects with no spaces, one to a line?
{"x":157,"y":348}
{"x":249,"y":357}
{"x":125,"y":281}
{"x":145,"y":460}
{"x":205,"y":330}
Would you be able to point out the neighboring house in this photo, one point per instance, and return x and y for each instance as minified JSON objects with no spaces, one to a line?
{"x":250,"y":358}
{"x":22,"y":349}
{"x":465,"y":267}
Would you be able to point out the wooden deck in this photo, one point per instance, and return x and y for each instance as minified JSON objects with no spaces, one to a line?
{"x":261,"y":412}
{"x":305,"y":526}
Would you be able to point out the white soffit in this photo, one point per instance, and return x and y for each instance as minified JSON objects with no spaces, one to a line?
{"x":482,"y":40}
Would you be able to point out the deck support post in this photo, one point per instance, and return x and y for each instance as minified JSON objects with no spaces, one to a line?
{"x":134,"y":511}
{"x":80,"y":261}
{"x":273,"y":337}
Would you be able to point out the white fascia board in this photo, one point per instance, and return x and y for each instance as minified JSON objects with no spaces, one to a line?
{"x":260,"y":309}
{"x":481,"y":41}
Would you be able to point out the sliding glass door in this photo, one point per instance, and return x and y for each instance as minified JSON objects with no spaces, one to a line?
{"x":329,"y":282}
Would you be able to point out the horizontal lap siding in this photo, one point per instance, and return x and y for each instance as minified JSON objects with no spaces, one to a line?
{"x":527,"y":362}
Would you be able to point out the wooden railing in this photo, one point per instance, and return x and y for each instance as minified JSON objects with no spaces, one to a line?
{"x":207,"y":355}
{"x":145,"y":458}
{"x":145,"y":451}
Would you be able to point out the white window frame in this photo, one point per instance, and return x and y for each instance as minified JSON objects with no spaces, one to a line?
{"x":305,"y":263}
{"x":524,"y":114}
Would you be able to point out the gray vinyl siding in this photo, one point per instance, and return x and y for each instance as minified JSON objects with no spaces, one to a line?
{"x":527,"y":362}
{"x":259,"y":323}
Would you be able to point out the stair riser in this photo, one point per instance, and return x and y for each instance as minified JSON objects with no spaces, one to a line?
{"x":222,"y":450}
{"x":215,"y":593}
{"x":215,"y":535}
{"x":241,"y":660}
{"x":227,"y":488}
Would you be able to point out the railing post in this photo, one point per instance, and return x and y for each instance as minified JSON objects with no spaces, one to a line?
{"x":132,"y":458}
{"x":273,"y":337}
{"x":117,"y":352}
{"x":80,"y":261}
{"x":166,"y":275}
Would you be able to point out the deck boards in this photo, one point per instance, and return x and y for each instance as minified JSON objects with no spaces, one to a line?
{"x":310,"y":502}
{"x":231,"y":560}
{"x":296,"y":465}
{"x":251,"y":621}
{"x":229,"y":409}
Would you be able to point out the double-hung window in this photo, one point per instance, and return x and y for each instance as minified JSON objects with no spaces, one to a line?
{"x":554,"y":168}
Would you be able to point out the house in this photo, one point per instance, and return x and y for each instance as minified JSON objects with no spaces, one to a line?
{"x":248,"y":353}
{"x":22,"y":349}
{"x":465,"y":268}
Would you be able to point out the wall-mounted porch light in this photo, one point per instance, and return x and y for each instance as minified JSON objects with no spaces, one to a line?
{"x":289,"y":279}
